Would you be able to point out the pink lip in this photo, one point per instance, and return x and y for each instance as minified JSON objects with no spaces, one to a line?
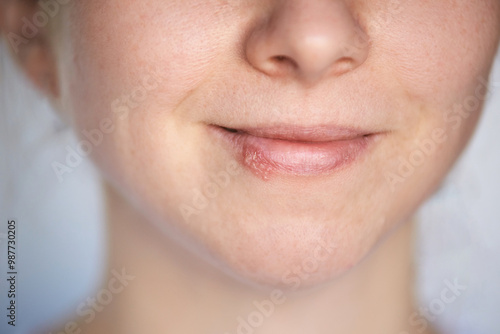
{"x":294,"y":151}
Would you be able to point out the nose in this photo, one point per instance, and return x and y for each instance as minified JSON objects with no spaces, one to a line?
{"x":307,"y":40}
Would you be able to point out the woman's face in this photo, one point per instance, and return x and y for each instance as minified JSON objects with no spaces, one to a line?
{"x":286,"y":138}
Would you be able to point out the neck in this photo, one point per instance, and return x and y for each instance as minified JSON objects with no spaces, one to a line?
{"x":172,"y":291}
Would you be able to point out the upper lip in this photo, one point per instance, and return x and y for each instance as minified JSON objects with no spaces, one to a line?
{"x":320,"y":133}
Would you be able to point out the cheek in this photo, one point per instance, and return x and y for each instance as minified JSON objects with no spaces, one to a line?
{"x":136,"y":78}
{"x":440,"y":55}
{"x":110,"y":61}
{"x":435,"y":57}
{"x":441,"y":50}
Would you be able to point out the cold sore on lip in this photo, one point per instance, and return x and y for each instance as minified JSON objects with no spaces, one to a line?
{"x":293,"y":151}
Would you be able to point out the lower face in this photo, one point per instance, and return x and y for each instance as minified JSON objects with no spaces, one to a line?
{"x":272,"y":178}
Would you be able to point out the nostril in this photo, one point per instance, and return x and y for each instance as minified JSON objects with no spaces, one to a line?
{"x":343,"y":65}
{"x":281,"y":59}
{"x":283,"y":64}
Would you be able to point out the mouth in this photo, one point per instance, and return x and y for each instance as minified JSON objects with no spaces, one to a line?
{"x":294,"y":150}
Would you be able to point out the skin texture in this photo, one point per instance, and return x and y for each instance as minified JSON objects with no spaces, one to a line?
{"x":159,"y":72}
{"x":160,"y":152}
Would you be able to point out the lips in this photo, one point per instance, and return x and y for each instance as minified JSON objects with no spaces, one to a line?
{"x":294,"y":151}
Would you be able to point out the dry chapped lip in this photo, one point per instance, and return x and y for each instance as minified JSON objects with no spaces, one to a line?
{"x":295,"y":151}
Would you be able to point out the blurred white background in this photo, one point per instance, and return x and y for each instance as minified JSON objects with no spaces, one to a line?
{"x":61,"y":239}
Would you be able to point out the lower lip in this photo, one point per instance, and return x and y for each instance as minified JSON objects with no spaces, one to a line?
{"x":266,"y":157}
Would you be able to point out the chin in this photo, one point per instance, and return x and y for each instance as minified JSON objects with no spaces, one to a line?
{"x":290,"y":254}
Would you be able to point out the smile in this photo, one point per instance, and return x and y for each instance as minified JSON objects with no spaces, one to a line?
{"x":294,"y":151}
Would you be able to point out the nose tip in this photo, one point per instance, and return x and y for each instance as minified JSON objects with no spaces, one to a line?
{"x":307,"y":40}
